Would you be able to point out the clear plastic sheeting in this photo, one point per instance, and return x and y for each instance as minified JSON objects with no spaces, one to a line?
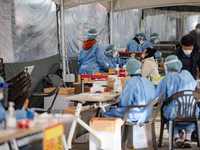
{"x":6,"y":48}
{"x":126,"y":25}
{"x":171,"y":25}
{"x":34,"y":27}
{"x":79,"y":20}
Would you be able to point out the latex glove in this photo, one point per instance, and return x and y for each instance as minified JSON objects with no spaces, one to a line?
{"x":107,"y":64}
{"x":160,"y":54}
{"x":132,"y":56}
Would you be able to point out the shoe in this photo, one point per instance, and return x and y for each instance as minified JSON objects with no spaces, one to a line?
{"x":179,"y":142}
{"x":187,"y":143}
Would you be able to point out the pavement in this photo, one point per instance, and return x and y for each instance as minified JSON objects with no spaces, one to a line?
{"x":165,"y":146}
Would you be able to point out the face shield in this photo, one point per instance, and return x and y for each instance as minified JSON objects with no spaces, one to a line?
{"x":165,"y":65}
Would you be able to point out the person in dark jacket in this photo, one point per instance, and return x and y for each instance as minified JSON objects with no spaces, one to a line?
{"x":196,"y":34}
{"x":188,"y":54}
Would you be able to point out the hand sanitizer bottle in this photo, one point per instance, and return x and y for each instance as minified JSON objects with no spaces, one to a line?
{"x":11,"y":119}
{"x":117,"y":70}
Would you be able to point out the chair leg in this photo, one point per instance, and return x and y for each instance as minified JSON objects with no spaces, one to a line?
{"x":154,"y":136}
{"x":125,"y":135}
{"x":161,"y":131}
{"x":171,"y":133}
{"x":148,"y":133}
{"x":198,"y":132}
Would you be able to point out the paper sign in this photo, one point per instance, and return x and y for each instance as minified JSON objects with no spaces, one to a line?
{"x":53,"y":137}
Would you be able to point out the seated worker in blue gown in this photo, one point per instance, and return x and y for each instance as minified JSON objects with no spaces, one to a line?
{"x":91,"y":55}
{"x":111,"y":57}
{"x":154,"y":38}
{"x":134,"y":45}
{"x":138,"y":91}
{"x":176,"y":81}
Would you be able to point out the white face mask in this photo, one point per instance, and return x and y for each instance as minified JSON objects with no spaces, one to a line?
{"x":115,"y":54}
{"x":156,"y":41}
{"x":187,"y":52}
{"x":198,"y":30}
{"x":1,"y":96}
{"x":141,"y":42}
{"x":143,"y":55}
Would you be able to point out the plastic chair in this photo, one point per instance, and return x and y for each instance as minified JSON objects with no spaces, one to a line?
{"x":188,"y":116}
{"x":55,"y":80}
{"x":18,"y":88}
{"x":149,"y":126}
{"x":53,"y":92}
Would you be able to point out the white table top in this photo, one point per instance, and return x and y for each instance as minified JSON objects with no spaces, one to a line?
{"x":95,"y":97}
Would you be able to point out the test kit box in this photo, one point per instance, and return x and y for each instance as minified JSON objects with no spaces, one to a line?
{"x":141,"y":138}
{"x":109,"y":129}
{"x":111,"y":81}
{"x":59,"y":103}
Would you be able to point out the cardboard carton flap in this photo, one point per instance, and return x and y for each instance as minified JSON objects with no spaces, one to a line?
{"x":71,"y":110}
{"x":106,"y":124}
{"x":62,"y":90}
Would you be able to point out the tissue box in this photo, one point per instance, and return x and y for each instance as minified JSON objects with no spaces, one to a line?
{"x":111,"y":81}
{"x":141,"y":138}
{"x":109,"y":129}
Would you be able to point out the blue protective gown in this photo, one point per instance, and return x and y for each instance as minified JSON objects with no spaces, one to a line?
{"x":113,"y":62}
{"x":148,"y":44}
{"x":90,"y":61}
{"x":138,"y":91}
{"x":173,"y":83}
{"x":133,"y":46}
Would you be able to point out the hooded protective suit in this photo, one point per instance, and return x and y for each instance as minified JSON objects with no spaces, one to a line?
{"x":90,"y":58}
{"x":148,"y":44}
{"x":133,"y":46}
{"x":173,"y":83}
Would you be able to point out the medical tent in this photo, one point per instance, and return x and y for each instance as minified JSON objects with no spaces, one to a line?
{"x":51,"y":50}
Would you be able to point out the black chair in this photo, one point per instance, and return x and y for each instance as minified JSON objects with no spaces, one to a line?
{"x":36,"y":95}
{"x":149,"y":126}
{"x":54,"y":80}
{"x":188,"y":115}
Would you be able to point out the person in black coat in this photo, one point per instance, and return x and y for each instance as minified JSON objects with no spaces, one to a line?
{"x":189,"y":54}
{"x":196,"y":34}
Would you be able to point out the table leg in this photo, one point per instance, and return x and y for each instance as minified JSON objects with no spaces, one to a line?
{"x":13,"y":144}
{"x":71,"y":132}
{"x":64,"y":142}
{"x":83,"y":124}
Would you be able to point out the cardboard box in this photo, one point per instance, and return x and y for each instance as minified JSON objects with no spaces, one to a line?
{"x":59,"y":103}
{"x":109,"y":129}
{"x":111,"y":81}
{"x":77,"y":87}
{"x":141,"y":138}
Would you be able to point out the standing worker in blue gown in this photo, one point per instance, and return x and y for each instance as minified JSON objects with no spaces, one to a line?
{"x":176,"y":81}
{"x":134,"y":45}
{"x":111,"y":57}
{"x":154,"y":39}
{"x":138,"y":91}
{"x":91,"y":55}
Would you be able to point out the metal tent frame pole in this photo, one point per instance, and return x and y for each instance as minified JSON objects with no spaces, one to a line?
{"x":111,"y":22}
{"x":63,"y":48}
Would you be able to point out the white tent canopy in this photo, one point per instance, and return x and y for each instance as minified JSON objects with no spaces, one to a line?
{"x":114,"y":6}
{"x":121,"y":5}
